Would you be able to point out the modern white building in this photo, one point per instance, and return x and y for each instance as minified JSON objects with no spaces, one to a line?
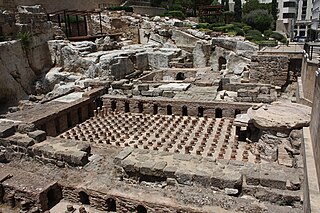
{"x":286,"y":16}
{"x":315,"y":26}
{"x":304,"y":18}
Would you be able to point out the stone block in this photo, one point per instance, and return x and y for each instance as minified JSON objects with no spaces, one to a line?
{"x":135,"y":92}
{"x":157,"y":92}
{"x":148,"y":93}
{"x":38,"y":135}
{"x":122,"y":155}
{"x":6,"y":130}
{"x":158,"y":168}
{"x":168,"y":94}
{"x":21,"y":140}
{"x":143,"y":87}
{"x":202,"y":178}
{"x":169,"y":171}
{"x":129,"y":166}
{"x":146,"y":168}
{"x":184,"y":176}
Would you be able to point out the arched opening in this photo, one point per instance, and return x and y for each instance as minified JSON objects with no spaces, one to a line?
{"x":180,"y":76}
{"x":57,"y":125}
{"x":169,"y":110}
{"x":111,"y":205}
{"x":113,"y":105}
{"x":184,"y":111}
{"x":140,"y":107}
{"x":141,"y":209}
{"x":155,"y":109}
{"x":218,"y":113}
{"x":99,"y":102}
{"x":222,"y":61}
{"x":69,"y":120}
{"x":54,"y":195}
{"x":200,"y":111}
{"x":237,"y":112}
{"x":80,"y":115}
{"x":84,"y":198}
{"x":126,"y":107}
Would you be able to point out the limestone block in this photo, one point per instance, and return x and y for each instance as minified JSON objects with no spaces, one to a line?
{"x":38,"y":135}
{"x":143,"y":87}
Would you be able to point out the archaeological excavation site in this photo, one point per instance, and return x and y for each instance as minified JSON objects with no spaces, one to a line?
{"x":129,"y":111}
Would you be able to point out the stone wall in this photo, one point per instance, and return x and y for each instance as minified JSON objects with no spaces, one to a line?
{"x":151,"y":11}
{"x":177,"y":107}
{"x":269,"y":70}
{"x":315,"y":124}
{"x":308,"y":79}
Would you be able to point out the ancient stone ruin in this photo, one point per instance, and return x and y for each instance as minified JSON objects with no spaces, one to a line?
{"x":152,"y":115}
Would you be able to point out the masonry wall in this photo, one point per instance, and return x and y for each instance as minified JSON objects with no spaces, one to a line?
{"x":269,"y":69}
{"x":308,"y":79}
{"x":177,"y":107}
{"x":315,"y":124}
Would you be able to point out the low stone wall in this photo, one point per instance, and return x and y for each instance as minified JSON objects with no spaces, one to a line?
{"x":251,"y":92}
{"x":55,"y":117}
{"x":116,"y":201}
{"x":171,"y":106}
{"x":151,"y":11}
{"x":307,"y":79}
{"x":315,"y":124}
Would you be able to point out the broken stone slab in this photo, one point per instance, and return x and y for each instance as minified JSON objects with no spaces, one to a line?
{"x":38,"y":135}
{"x":175,"y":86}
{"x":280,"y":116}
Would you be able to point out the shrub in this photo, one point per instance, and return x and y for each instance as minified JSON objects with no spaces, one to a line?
{"x":25,"y":38}
{"x":203,"y":26}
{"x":279,"y":37}
{"x":127,"y":9}
{"x":246,"y":28}
{"x":268,"y":33}
{"x":259,"y":19}
{"x":175,"y":14}
{"x":254,"y":35}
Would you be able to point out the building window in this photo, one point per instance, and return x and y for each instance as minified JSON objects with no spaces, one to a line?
{"x":289,"y":15}
{"x":289,"y":4}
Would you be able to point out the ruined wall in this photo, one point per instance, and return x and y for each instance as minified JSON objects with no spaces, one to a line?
{"x":151,"y":11}
{"x":269,"y":69}
{"x":116,"y":201}
{"x":177,"y":107}
{"x":315,"y":124}
{"x":52,"y":6}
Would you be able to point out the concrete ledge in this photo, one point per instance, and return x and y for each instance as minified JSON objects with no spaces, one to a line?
{"x":311,"y":194}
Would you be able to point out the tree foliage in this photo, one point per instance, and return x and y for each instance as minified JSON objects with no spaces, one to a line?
{"x":237,"y":10}
{"x":274,"y":9}
{"x":259,"y":19}
{"x":251,"y":5}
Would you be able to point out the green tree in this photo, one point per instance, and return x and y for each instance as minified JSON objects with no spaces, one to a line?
{"x":250,"y":5}
{"x":259,"y":19}
{"x":237,"y":10}
{"x":226,"y":6}
{"x":274,"y":9}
